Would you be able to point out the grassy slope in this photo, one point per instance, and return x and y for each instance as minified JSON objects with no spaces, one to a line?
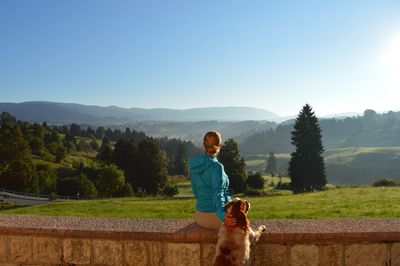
{"x":366,"y":202}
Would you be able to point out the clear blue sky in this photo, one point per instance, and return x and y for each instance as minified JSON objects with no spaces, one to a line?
{"x":338,"y":56}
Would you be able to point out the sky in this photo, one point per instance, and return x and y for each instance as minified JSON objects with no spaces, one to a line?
{"x":338,"y":56}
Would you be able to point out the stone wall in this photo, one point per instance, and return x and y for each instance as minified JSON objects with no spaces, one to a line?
{"x":40,"y":240}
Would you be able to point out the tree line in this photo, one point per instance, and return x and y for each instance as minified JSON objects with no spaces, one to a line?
{"x":130,"y":162}
{"x":365,"y":130}
{"x":33,"y":158}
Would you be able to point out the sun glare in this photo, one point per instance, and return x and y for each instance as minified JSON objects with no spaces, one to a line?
{"x":391,"y":55}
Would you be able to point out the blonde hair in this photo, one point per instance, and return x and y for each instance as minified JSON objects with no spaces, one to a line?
{"x":212,"y":142}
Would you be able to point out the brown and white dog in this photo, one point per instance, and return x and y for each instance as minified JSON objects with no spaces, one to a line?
{"x":233,"y":246}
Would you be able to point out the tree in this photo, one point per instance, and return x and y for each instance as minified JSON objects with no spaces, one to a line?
{"x":255,"y":181}
{"x":151,"y":168}
{"x":47,"y":178}
{"x":61,"y":153}
{"x":17,"y":170}
{"x":76,"y":185}
{"x":306,"y":166}
{"x":234,"y":165}
{"x":124,"y":156}
{"x":106,"y":151}
{"x":271,"y":164}
{"x":110,"y":180}
{"x":181,"y":164}
{"x":100,"y":133}
{"x":75,"y":130}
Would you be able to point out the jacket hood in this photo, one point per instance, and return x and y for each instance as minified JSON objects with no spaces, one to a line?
{"x":200,"y":163}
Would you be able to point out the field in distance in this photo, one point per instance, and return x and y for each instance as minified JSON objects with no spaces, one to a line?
{"x":358,"y":202}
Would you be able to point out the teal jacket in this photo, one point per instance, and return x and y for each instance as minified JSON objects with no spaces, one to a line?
{"x":209,"y":184}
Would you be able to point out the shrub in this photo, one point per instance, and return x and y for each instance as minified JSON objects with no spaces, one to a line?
{"x":254,"y":192}
{"x":170,"y":190}
{"x":71,"y":186}
{"x":6,"y":205}
{"x":283,"y":186}
{"x":385,"y":182}
{"x":125,"y":191}
{"x":255,"y":181}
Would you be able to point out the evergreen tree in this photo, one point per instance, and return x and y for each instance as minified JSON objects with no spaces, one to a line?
{"x":306,"y":167}
{"x":61,"y":153}
{"x":234,"y":166}
{"x":151,"y":168}
{"x":17,"y":170}
{"x":75,"y":130}
{"x":271,"y":164}
{"x":106,"y":151}
{"x":124,"y":156}
{"x":90,"y":133}
{"x":100,"y":133}
{"x":181,"y":164}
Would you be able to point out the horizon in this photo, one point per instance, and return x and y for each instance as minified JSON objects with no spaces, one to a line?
{"x":339,"y":57}
{"x":332,"y":115}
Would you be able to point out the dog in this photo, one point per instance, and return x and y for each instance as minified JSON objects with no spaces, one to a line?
{"x":234,"y":241}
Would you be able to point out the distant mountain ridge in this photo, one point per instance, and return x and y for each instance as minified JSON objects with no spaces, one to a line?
{"x":65,"y":113}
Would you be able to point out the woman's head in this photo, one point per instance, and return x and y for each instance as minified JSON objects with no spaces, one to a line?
{"x":212,"y":142}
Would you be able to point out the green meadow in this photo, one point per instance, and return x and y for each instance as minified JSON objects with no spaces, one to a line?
{"x":355,"y":202}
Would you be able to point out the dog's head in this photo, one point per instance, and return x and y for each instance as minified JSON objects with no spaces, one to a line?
{"x":239,"y":209}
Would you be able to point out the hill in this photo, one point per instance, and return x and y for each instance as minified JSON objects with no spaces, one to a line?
{"x":66,"y":113}
{"x":352,"y":165}
{"x":369,"y":130}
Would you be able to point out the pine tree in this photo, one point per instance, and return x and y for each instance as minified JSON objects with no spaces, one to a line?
{"x":106,"y":151}
{"x":306,"y":167}
{"x":234,"y":166}
{"x":124,"y":156}
{"x":151,"y":167}
{"x":271,"y":164}
{"x":17,"y":170}
{"x":181,"y":164}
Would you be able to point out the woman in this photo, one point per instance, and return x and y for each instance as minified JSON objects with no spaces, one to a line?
{"x":210,"y":184}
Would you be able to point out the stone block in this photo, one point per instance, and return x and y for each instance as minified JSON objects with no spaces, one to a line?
{"x":207,"y":254}
{"x":135,"y":253}
{"x":47,"y":250}
{"x":395,"y":254}
{"x":156,"y":253}
{"x":76,"y":251}
{"x":331,"y":255}
{"x":20,"y":249}
{"x":304,"y":255}
{"x":366,"y":254}
{"x":107,"y":252}
{"x":271,"y":254}
{"x":182,"y":254}
{"x":3,"y":249}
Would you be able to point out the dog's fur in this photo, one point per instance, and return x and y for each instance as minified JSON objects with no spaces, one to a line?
{"x":233,"y":246}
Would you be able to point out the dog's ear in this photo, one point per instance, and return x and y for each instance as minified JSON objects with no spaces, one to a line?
{"x":239,"y":213}
{"x":241,"y":219}
{"x":228,"y":205}
{"x":247,"y":206}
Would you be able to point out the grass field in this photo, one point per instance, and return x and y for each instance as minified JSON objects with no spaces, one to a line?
{"x":361,"y":202}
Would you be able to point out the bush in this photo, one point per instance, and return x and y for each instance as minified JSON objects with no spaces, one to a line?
{"x":283,"y":186}
{"x":6,"y":205}
{"x":254,"y":192}
{"x":255,"y":181}
{"x":385,"y":182}
{"x":170,"y":190}
{"x":125,"y":191}
{"x":71,"y":186}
